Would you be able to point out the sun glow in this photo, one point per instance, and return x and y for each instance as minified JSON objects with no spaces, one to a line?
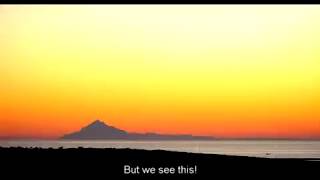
{"x":225,"y":71}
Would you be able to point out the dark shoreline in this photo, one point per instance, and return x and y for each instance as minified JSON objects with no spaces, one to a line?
{"x":101,"y":162}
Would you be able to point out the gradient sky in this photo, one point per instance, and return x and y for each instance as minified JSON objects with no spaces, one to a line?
{"x":225,"y":71}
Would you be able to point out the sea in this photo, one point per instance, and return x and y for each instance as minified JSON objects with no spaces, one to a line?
{"x":253,"y":148}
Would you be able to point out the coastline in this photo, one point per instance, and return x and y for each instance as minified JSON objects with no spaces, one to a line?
{"x":251,"y":148}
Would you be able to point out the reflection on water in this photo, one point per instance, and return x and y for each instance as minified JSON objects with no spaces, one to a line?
{"x":262,"y":148}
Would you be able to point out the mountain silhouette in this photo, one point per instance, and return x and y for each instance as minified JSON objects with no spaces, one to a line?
{"x":97,"y":130}
{"x":100,"y":130}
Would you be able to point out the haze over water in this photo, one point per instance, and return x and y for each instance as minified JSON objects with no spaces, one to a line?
{"x":256,"y":148}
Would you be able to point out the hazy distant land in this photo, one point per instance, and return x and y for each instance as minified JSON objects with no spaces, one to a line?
{"x":99,"y":130}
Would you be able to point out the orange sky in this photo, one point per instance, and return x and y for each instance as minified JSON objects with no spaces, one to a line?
{"x":225,"y":71}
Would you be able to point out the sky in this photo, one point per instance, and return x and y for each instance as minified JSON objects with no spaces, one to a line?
{"x":228,"y":71}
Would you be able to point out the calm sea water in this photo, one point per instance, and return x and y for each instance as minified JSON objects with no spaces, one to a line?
{"x":262,"y":148}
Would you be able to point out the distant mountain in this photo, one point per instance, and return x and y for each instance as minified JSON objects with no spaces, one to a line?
{"x":99,"y":130}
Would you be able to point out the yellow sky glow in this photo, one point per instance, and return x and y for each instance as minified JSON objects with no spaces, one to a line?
{"x":226,"y":71}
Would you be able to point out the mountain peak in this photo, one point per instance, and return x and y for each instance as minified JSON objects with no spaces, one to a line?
{"x":97,"y":130}
{"x":97,"y":122}
{"x":100,"y":125}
